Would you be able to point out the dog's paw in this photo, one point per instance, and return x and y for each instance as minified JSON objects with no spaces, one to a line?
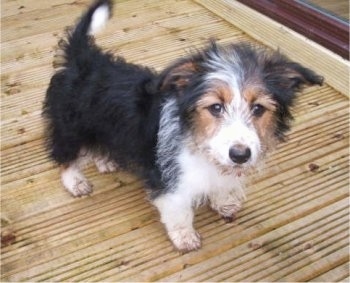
{"x":227,"y":206}
{"x":229,"y":212}
{"x":76,"y":183}
{"x":105,"y":166}
{"x":185,"y":240}
{"x":81,"y":188}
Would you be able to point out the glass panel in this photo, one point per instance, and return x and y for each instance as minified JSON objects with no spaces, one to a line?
{"x":323,"y":21}
{"x":335,"y":8}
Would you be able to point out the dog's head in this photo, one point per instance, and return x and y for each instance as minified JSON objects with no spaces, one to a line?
{"x":234,"y":102}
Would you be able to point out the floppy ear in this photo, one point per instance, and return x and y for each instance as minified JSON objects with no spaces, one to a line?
{"x":178,"y":76}
{"x":283,"y":80}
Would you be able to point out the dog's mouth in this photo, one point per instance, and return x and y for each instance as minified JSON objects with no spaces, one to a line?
{"x":236,"y":170}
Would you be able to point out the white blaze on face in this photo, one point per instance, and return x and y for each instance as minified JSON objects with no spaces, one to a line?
{"x":236,"y":127}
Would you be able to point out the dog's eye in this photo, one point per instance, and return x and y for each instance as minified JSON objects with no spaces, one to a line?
{"x":258,"y":110}
{"x":216,"y":109}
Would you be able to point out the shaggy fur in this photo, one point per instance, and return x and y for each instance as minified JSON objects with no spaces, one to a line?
{"x":192,"y":131}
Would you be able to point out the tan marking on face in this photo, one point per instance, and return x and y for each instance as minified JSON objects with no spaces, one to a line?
{"x":223,"y":92}
{"x":205,"y":124}
{"x":266,"y":124}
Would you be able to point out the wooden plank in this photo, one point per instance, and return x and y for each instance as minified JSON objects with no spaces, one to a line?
{"x":51,"y":17}
{"x":17,"y":8}
{"x":280,"y":37}
{"x":328,"y":260}
{"x":338,"y":274}
{"x":47,"y":191}
{"x":152,"y":272}
{"x":118,"y":30}
{"x":288,"y":241}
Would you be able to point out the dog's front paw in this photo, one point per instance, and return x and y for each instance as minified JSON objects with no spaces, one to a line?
{"x":229,"y":211}
{"x":185,"y":240}
{"x":227,"y":205}
{"x":81,"y":188}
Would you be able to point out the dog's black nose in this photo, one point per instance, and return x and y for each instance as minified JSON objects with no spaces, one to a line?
{"x":239,"y":154}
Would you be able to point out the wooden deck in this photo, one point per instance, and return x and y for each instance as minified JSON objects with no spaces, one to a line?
{"x":295,"y":224}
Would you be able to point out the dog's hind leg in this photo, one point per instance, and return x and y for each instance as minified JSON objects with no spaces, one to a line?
{"x":104,"y":164}
{"x":73,"y":179}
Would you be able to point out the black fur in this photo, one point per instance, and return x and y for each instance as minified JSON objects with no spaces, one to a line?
{"x":102,"y":103}
{"x":284,"y":79}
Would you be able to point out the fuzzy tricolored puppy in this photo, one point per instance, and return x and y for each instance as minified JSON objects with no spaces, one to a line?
{"x":192,"y":131}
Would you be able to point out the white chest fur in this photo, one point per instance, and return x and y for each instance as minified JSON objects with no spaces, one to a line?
{"x":200,"y":179}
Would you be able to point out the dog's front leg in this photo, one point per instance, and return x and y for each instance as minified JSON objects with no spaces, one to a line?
{"x":177,"y":216}
{"x":227,"y":202}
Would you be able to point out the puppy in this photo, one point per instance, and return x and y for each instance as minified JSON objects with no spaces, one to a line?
{"x":192,"y":132}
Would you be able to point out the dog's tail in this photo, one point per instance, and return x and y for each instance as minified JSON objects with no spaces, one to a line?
{"x":94,"y":19}
{"x":79,"y":39}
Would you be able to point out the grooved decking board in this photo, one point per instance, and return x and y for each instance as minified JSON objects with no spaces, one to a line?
{"x":294,"y":225}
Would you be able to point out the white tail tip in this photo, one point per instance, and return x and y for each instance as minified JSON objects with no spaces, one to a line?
{"x":99,"y":19}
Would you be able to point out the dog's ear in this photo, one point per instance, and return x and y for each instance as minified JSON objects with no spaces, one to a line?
{"x":177,"y":77}
{"x":283,"y":80}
